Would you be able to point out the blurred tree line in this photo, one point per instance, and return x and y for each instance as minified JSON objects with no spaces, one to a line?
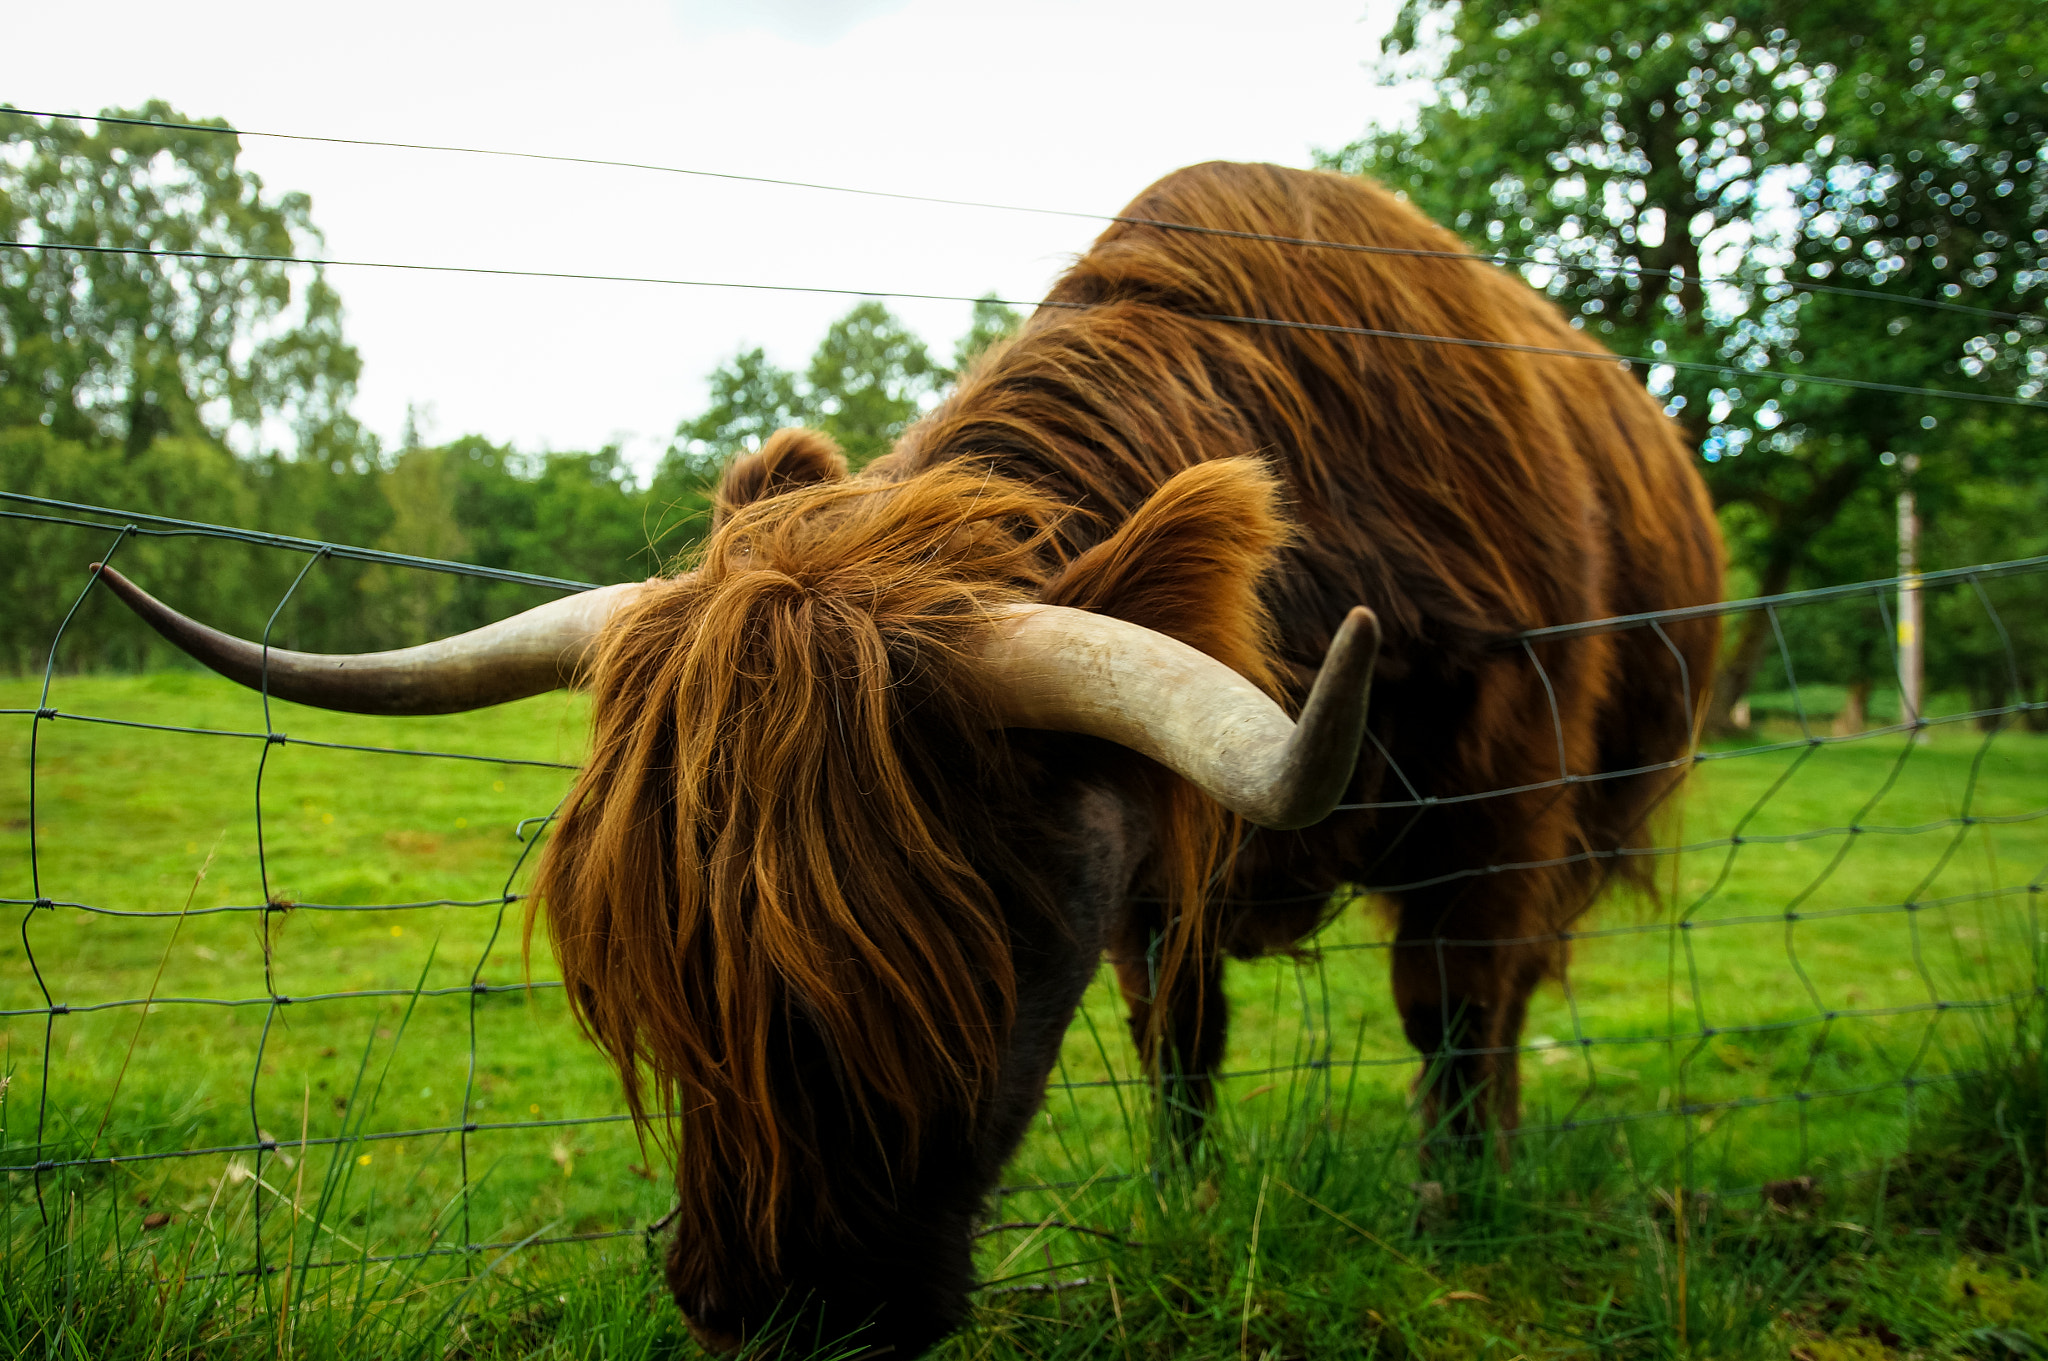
{"x":218,"y":390}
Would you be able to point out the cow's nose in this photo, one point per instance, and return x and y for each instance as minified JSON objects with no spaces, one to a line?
{"x":714,"y":1340}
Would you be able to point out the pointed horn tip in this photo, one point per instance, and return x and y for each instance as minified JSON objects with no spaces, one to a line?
{"x":1355,"y":647}
{"x":1359,"y":618}
{"x":1332,"y":726}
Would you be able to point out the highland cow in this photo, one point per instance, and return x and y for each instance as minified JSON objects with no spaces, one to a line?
{"x":1080,"y":667}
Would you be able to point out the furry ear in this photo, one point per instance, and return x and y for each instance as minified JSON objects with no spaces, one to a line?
{"x":792,"y":457}
{"x":1188,"y":564}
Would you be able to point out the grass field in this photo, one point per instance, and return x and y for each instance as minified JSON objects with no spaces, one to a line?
{"x":1704,"y":1050}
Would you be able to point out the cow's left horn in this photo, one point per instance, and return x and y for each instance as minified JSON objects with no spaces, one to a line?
{"x":540,"y":650}
{"x":1068,"y":670}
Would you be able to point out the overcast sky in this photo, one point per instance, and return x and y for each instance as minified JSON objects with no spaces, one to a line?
{"x":1048,"y":103}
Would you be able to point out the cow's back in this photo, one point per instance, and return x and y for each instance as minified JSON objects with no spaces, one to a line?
{"x":1463,"y":486}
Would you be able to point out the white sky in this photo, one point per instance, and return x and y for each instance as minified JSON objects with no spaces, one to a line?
{"x":1050,"y":103}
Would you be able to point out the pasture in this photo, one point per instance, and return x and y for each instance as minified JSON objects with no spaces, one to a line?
{"x":1832,"y":997}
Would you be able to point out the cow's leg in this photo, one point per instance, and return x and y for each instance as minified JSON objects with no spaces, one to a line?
{"x":1180,"y":1037}
{"x":1462,"y":1003}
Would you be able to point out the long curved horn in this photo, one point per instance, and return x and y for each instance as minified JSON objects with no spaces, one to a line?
{"x":1068,"y":670}
{"x":542,"y":649}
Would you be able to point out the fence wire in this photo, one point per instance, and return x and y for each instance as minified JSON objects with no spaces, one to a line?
{"x":1728,"y":371}
{"x":1629,"y":268}
{"x":1300,"y":1023}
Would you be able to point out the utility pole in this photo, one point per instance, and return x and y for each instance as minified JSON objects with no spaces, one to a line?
{"x":1912,"y":668}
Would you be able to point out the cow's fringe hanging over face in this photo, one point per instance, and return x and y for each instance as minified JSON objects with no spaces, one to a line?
{"x":751,"y":866}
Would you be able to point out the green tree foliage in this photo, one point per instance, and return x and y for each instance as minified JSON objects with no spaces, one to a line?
{"x":868,"y":381}
{"x":1992,"y":643}
{"x":1674,"y":170}
{"x":1978,"y":507}
{"x":1987,"y":640}
{"x":128,"y":381}
{"x":574,"y":515}
{"x":869,"y":378}
{"x":994,"y":321}
{"x":423,"y":490}
{"x":165,"y":385}
{"x":750,"y":399}
{"x":42,"y":569}
{"x":580,"y":516}
{"x":119,"y":348}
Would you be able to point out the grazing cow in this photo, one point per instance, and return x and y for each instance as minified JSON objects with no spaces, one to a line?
{"x":875,"y":786}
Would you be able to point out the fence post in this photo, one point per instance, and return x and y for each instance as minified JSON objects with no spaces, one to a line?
{"x":1912,"y":660}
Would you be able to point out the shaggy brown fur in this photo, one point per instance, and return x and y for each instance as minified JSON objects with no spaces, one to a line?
{"x":753,"y":839}
{"x":788,"y":459}
{"x":1464,"y":494}
{"x":797,"y":886}
{"x":764,"y":827}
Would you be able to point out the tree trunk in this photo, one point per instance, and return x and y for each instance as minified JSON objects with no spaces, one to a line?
{"x":1792,"y":530}
{"x":1855,"y":714}
{"x":1732,"y":681}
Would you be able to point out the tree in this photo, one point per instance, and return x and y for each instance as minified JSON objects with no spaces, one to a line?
{"x":42,"y":566}
{"x":750,"y":400}
{"x":994,"y":321}
{"x":105,"y":347}
{"x":1671,"y":173}
{"x":1989,"y":640}
{"x":868,"y":381}
{"x":423,"y":488}
{"x":133,"y":379}
{"x":1845,"y":642}
{"x":587,"y":519}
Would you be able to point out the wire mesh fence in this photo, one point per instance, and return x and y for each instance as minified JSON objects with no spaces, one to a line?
{"x":260,"y":944}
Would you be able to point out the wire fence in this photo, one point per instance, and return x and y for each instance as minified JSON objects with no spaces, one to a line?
{"x":1736,"y":365}
{"x":1729,"y":371}
{"x":1549,"y":260}
{"x":1822,"y":941}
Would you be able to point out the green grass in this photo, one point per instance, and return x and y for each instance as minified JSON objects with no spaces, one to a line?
{"x":1299,"y":1233}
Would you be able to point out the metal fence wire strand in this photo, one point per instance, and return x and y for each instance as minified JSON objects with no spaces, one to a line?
{"x":1302,"y":1054}
{"x":1627,"y":268}
{"x":1727,"y":370}
{"x":35,"y":863}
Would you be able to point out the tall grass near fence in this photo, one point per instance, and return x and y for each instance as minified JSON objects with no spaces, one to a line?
{"x":1293,"y":1233}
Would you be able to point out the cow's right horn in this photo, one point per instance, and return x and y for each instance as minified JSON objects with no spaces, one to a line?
{"x":543,"y":649}
{"x":1068,"y":670}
